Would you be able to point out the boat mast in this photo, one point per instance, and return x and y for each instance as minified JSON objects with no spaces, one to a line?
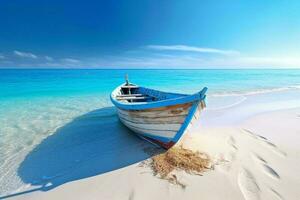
{"x":126,"y":79}
{"x":127,"y":83}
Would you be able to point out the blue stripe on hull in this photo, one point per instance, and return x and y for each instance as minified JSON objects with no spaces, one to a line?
{"x":186,"y":122}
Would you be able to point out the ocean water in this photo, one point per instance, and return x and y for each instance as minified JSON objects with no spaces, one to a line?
{"x":57,"y":126}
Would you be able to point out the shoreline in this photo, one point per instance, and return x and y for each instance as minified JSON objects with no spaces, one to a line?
{"x":257,"y":165}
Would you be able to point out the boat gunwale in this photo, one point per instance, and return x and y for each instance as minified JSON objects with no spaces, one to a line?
{"x":156,"y":104}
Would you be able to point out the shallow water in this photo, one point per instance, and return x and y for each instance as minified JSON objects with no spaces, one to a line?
{"x":36,"y":105}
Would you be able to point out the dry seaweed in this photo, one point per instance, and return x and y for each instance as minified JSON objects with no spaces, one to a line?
{"x":179,"y":158}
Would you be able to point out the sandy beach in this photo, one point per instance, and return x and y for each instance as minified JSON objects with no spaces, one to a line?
{"x":256,"y":157}
{"x":150,"y":100}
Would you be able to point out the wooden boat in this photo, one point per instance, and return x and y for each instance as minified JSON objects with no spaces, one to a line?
{"x":159,"y":117}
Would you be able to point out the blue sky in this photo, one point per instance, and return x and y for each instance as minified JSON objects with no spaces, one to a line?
{"x":150,"y":34}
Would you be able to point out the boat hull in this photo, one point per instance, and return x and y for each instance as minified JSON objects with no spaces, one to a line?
{"x":163,"y":125}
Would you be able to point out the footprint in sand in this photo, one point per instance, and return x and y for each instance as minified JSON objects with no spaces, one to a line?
{"x":256,"y":136}
{"x":275,"y":148}
{"x":266,"y":142}
{"x":262,"y":163}
{"x":248,"y":185}
{"x":232,"y":143}
{"x":230,"y":156}
{"x":271,"y":172}
{"x":223,"y":164}
{"x":257,"y":157}
{"x":276,"y":194}
{"x":131,"y":195}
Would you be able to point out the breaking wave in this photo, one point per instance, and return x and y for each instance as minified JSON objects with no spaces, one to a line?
{"x":254,"y":92}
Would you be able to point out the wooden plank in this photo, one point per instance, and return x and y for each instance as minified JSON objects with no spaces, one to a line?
{"x":154,"y":114}
{"x":150,"y":115}
{"x":129,"y":86}
{"x":132,"y":98}
{"x":178,"y":106}
{"x":129,"y":95}
{"x":162,"y":127}
{"x":169,"y":134}
{"x":154,"y":120}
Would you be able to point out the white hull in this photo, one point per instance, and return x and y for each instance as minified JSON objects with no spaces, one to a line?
{"x":163,"y":123}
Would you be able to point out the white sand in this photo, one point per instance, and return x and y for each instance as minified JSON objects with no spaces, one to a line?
{"x":261,"y":158}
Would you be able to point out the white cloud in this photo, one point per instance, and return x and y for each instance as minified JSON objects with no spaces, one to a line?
{"x":192,"y":49}
{"x":48,"y":58}
{"x":165,"y":57}
{"x":197,"y":61}
{"x":25,"y":54}
{"x":70,"y":60}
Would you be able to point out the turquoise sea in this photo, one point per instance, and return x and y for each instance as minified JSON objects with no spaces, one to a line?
{"x":58,"y":126}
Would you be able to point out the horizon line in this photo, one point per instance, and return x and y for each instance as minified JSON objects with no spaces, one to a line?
{"x":66,"y":68}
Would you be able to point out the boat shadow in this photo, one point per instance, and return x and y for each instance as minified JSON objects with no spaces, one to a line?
{"x":91,"y":144}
